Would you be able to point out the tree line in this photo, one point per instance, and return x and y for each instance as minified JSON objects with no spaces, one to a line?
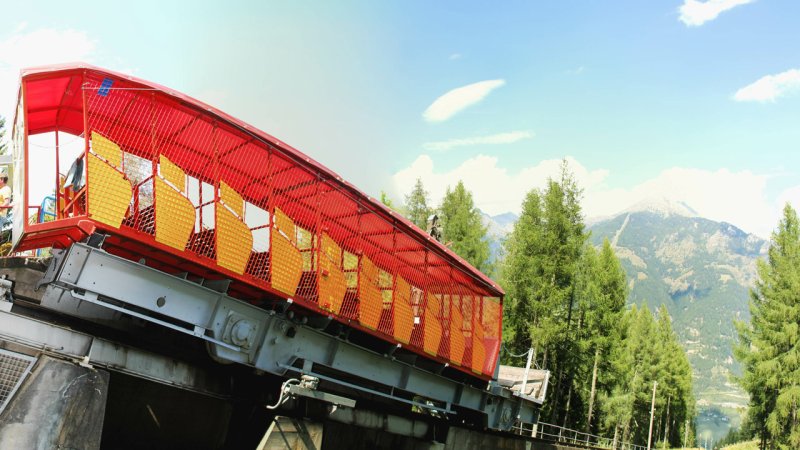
{"x":566,"y":302}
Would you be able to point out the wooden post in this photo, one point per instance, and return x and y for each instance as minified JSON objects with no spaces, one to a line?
{"x":592,"y":394}
{"x":652,"y":410}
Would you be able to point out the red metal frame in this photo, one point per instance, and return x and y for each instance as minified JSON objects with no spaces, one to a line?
{"x":148,"y":121}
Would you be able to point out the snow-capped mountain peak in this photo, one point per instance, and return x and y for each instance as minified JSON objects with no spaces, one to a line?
{"x":663,"y":206}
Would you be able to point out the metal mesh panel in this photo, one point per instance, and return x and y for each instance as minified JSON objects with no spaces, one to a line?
{"x":14,"y":367}
{"x":231,"y":204}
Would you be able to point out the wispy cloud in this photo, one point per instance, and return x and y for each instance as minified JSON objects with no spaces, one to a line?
{"x":455,"y":56}
{"x":459,"y":99}
{"x":494,"y":139}
{"x":695,"y":13}
{"x":576,"y":71}
{"x":768,"y":88}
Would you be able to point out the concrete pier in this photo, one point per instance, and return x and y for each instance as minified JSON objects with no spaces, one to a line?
{"x":60,"y":405}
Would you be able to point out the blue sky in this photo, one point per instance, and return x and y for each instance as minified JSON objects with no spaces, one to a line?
{"x":641,"y":97}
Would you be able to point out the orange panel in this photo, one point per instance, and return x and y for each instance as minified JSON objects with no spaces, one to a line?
{"x":173,"y":173}
{"x":403,"y":316}
{"x":369,"y":295}
{"x":106,"y":149}
{"x":109,"y":193}
{"x":287,"y":262}
{"x":175,"y":216}
{"x":457,"y":341}
{"x":231,"y":199}
{"x":234,"y":241}
{"x":285,"y":225}
{"x":332,"y":282}
{"x":478,"y":348}
{"x":432,"y":334}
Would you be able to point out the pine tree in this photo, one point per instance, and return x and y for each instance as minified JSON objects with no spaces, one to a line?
{"x":603,"y":301}
{"x":769,"y":347}
{"x":540,"y":273}
{"x":463,"y":228}
{"x":416,"y":206}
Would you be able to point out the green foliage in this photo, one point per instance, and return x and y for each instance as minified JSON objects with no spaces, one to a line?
{"x":416,"y":206}
{"x":542,"y":255}
{"x":650,"y":352}
{"x":734,"y":436}
{"x":462,"y":227}
{"x":386,"y":200}
{"x":769,"y":347}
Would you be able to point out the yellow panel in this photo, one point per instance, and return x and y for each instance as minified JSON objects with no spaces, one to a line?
{"x":107,"y":149}
{"x":172,"y":173}
{"x":175,"y":216}
{"x":491,"y":316}
{"x":286,"y":266}
{"x":432,"y":334}
{"x":234,"y":241}
{"x":231,"y":198}
{"x":478,"y":348}
{"x":285,"y":224}
{"x":109,"y":193}
{"x":369,"y":296}
{"x":403,"y":316}
{"x":457,"y":341}
{"x":332,"y":282}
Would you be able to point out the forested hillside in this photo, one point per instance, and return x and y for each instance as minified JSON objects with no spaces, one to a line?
{"x":701,"y":270}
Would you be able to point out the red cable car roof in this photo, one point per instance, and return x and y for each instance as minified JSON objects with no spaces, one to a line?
{"x":53,"y":103}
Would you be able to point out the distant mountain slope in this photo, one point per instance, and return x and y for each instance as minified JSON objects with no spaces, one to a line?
{"x":701,"y":270}
{"x":498,"y":228}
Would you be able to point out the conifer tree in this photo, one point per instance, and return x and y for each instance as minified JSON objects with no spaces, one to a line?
{"x":769,"y":347}
{"x":416,"y":205}
{"x":649,"y":353}
{"x":539,"y":276}
{"x":603,"y":300}
{"x":463,"y":228}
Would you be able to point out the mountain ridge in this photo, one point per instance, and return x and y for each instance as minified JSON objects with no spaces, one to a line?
{"x":699,"y":268}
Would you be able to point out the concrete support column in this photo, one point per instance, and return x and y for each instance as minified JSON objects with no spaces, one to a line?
{"x":60,"y":405}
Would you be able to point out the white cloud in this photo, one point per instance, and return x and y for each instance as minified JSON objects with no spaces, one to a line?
{"x":494,"y":139}
{"x":458,"y":99}
{"x":455,"y":56}
{"x":723,"y":195}
{"x":695,"y":13}
{"x":768,"y":88}
{"x":38,"y":47}
{"x":495,"y":189}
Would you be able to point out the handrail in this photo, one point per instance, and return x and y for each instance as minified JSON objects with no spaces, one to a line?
{"x":554,"y":433}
